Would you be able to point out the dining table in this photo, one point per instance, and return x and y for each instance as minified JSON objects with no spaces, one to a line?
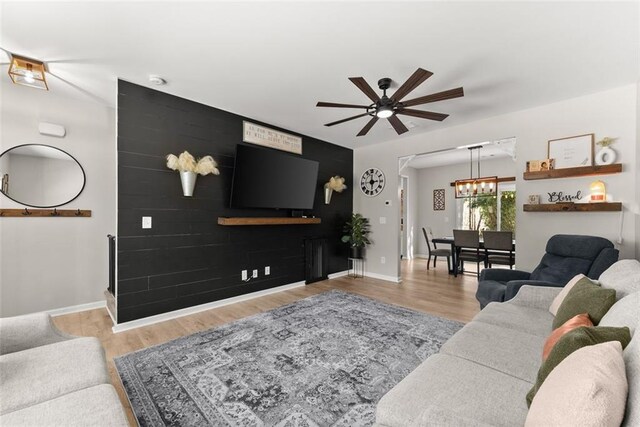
{"x":448,"y":240}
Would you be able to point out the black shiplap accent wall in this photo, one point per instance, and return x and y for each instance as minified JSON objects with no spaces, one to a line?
{"x":187,"y":259}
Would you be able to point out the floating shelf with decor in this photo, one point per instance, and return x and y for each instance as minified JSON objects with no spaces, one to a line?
{"x":235,"y":221}
{"x":573,"y":172}
{"x":574,"y":207}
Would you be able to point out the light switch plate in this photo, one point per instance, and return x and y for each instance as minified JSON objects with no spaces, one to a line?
{"x":383,"y":220}
{"x":146,"y":222}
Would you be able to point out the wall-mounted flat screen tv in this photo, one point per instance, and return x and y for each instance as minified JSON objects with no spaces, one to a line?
{"x":266,"y":178}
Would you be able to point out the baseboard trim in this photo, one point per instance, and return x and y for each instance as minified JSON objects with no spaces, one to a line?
{"x":146,"y":321}
{"x":338,"y":274}
{"x":425,"y":256}
{"x":76,"y":308}
{"x":383,"y":277}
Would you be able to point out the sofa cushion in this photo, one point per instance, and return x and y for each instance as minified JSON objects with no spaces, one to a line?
{"x":95,"y":406}
{"x":623,"y":276}
{"x":585,"y":297}
{"x":626,"y":313}
{"x":506,"y":350}
{"x":532,"y":321}
{"x":39,"y":374}
{"x":553,"y":308}
{"x":448,"y":387}
{"x":559,"y":269}
{"x":588,"y":388}
{"x":573,"y":341}
{"x":568,"y":326}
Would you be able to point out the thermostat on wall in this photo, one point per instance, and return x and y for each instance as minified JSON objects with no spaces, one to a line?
{"x":52,"y":129}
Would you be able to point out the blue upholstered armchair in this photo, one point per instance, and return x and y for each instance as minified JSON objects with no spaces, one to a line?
{"x":566,"y":256}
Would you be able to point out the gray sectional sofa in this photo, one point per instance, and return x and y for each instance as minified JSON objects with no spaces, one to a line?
{"x":481,"y":375}
{"x":48,"y":378}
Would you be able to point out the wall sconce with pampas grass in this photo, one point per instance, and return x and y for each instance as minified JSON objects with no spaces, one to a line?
{"x":336,"y":183}
{"x":189,"y":169}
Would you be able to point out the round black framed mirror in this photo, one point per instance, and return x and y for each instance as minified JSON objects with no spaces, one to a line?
{"x":40,"y":176}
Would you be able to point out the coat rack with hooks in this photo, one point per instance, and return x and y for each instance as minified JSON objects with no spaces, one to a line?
{"x":43,"y":213}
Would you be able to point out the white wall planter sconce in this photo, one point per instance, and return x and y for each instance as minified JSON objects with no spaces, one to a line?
{"x":336,"y":183}
{"x":189,"y":169}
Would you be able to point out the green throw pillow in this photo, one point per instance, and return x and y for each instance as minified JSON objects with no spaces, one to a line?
{"x":575,"y":340}
{"x":585,"y":297}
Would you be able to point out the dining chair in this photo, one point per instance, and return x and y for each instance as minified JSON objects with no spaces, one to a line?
{"x":467,"y":246}
{"x":435,"y":252}
{"x":498,"y":248}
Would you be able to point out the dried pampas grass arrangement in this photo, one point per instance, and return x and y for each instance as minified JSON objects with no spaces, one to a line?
{"x":185,"y":162}
{"x":336,"y":183}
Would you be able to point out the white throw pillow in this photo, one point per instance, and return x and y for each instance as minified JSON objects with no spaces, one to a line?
{"x":553,"y":308}
{"x":588,"y":388}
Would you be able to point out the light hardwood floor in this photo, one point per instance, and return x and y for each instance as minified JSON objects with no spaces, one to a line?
{"x":433,"y":291}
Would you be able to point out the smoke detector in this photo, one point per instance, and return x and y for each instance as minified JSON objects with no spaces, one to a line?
{"x":157,"y":80}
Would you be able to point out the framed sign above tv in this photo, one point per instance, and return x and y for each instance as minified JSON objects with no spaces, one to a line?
{"x":260,"y":135}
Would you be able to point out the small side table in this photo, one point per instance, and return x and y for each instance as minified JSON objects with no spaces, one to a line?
{"x":356,"y":267}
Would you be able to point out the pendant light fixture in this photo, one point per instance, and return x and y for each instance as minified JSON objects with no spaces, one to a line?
{"x":476,"y":187}
{"x":28,"y":72}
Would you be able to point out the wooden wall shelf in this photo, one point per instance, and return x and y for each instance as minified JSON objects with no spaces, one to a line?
{"x":234,"y":221}
{"x":44,"y":213}
{"x":574,"y":172}
{"x":574,"y":207}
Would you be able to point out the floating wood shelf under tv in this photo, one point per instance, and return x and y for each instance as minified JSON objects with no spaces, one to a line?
{"x":233,"y":221}
{"x":574,"y":172}
{"x":574,"y":207}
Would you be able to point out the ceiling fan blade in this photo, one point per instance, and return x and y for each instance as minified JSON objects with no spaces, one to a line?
{"x":347,"y":119}
{"x":364,"y":87}
{"x":440,"y":96}
{"x":368,"y":126}
{"x":397,"y":125}
{"x":423,"y":114}
{"x":333,"y":104}
{"x":412,"y":82}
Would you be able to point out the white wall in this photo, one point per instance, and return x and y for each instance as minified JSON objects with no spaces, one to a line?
{"x":48,"y":263}
{"x":443,"y":222}
{"x":413,"y":229}
{"x":610,"y":113}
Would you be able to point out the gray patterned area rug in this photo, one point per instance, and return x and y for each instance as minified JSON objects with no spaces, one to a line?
{"x":324,"y":360}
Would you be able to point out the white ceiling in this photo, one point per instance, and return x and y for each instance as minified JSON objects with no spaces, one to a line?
{"x":501,"y":149}
{"x":273,"y":61}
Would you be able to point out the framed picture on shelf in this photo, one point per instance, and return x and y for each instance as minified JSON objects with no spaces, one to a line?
{"x":438,"y":199}
{"x":571,"y":152}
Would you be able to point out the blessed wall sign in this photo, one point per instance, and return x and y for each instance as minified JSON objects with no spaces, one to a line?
{"x":561,"y":197}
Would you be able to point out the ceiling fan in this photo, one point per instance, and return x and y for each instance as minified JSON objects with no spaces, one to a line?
{"x":389,"y":107}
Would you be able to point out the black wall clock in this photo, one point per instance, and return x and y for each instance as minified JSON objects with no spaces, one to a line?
{"x":372,"y":182}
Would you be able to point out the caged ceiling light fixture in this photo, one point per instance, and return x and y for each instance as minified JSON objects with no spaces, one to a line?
{"x":476,"y":187}
{"x":28,"y":72}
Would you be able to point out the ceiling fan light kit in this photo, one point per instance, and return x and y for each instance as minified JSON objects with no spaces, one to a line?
{"x":28,"y":72}
{"x":386,"y":107}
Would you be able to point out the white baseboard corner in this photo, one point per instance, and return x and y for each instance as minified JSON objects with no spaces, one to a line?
{"x":383,"y":277}
{"x":338,"y":274}
{"x":146,"y":321}
{"x":76,"y":308}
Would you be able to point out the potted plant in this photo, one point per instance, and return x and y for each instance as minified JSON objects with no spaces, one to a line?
{"x":357,"y":229}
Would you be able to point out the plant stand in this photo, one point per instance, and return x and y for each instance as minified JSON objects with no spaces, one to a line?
{"x":356,"y":268}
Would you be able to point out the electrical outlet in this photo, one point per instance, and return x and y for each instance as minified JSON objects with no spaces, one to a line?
{"x":383,"y":260}
{"x":244,"y":274}
{"x":383,"y":220}
{"x":267,"y":270}
{"x":146,"y":222}
{"x":255,"y":274}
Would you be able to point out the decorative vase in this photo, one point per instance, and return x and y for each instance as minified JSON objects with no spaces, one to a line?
{"x":606,"y":156}
{"x":327,"y":195}
{"x":188,"y":180}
